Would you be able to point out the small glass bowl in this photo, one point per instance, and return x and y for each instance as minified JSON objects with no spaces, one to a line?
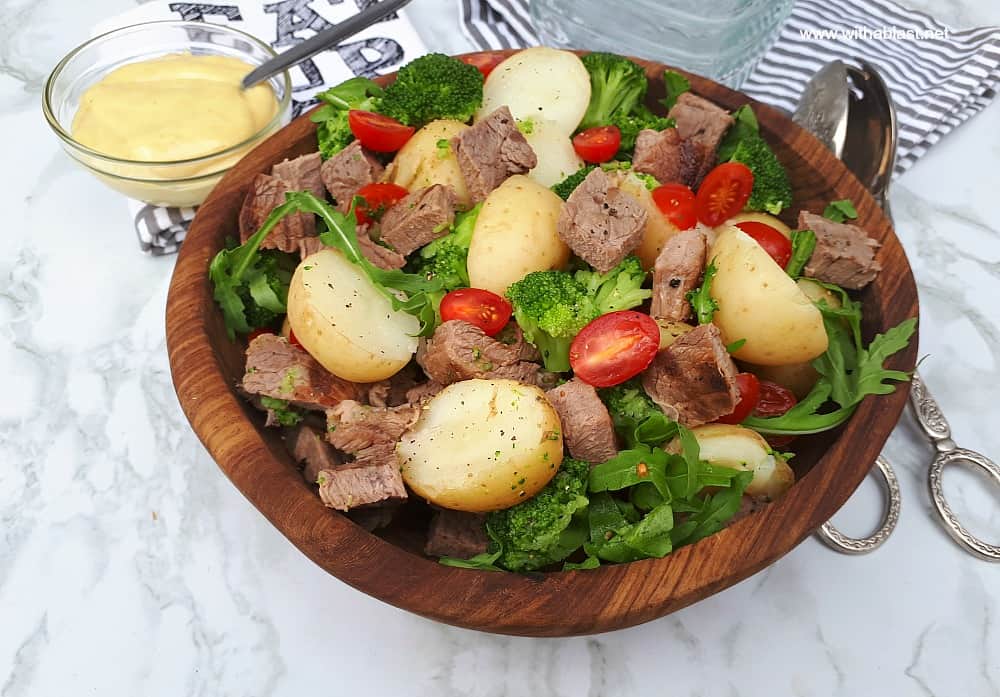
{"x":176,"y":183}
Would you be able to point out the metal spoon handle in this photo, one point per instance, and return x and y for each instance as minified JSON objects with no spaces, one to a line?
{"x":323,"y":40}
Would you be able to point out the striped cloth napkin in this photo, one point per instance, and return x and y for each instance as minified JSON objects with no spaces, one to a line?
{"x":937,"y":82}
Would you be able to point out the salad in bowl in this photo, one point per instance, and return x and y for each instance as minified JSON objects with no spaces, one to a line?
{"x":566,"y":324}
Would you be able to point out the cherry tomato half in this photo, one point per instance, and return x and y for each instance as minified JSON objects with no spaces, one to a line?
{"x":614,"y":347}
{"x":773,"y":242}
{"x":723,"y":193}
{"x":774,"y":400}
{"x":485,"y":62}
{"x":676,"y":202}
{"x":377,"y":132}
{"x":749,"y":387}
{"x":598,"y":144}
{"x":377,"y":198}
{"x":293,"y":340}
{"x":483,"y":308}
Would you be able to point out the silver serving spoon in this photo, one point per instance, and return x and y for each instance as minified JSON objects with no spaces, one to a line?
{"x":323,"y":40}
{"x":823,"y":110}
{"x":872,"y":125}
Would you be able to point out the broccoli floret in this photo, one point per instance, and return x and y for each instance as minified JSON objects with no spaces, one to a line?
{"x":618,"y":289}
{"x":568,"y":185}
{"x":772,"y":191}
{"x":631,"y":123}
{"x":617,"y":87}
{"x":551,"y":307}
{"x":637,"y":418}
{"x":264,"y":291}
{"x":283,"y":414}
{"x":446,"y":257}
{"x":333,"y":131}
{"x":541,"y":531}
{"x":432,"y":87}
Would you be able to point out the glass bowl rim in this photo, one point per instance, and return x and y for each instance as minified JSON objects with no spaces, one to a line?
{"x":76,"y":145}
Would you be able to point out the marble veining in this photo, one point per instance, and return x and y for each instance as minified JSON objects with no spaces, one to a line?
{"x":130,"y":566}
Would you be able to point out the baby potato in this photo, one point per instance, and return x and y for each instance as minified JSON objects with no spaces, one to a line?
{"x":671,"y":331}
{"x":658,"y":229}
{"x":515,"y":234}
{"x":760,"y":303}
{"x":797,"y":377}
{"x":345,"y":323}
{"x":421,"y":163}
{"x":764,"y":218}
{"x":556,"y":157}
{"x":742,"y":448}
{"x":539,"y":83}
{"x":482,"y":445}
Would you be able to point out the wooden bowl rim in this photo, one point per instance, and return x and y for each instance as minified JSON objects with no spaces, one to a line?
{"x":540,"y":604}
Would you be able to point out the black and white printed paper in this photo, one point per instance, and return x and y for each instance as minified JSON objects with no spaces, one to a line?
{"x":380,"y":49}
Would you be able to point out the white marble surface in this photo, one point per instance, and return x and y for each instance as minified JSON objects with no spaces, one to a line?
{"x":130,"y":566}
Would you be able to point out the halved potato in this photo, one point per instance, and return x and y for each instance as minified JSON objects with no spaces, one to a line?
{"x":482,"y":445}
{"x":422,"y":163}
{"x":556,"y":157}
{"x":742,"y":448}
{"x":764,"y":218}
{"x":760,"y":303}
{"x":539,"y":83}
{"x":671,"y":331}
{"x":515,"y":234}
{"x":345,"y":323}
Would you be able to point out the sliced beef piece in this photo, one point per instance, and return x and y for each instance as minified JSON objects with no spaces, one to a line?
{"x":277,"y":369}
{"x":392,"y":392}
{"x":350,"y":487}
{"x":416,"y":395}
{"x":419,"y":218}
{"x":701,"y":121}
{"x":703,"y":124}
{"x":677,"y":271}
{"x":302,"y":174}
{"x":383,"y":257}
{"x":512,"y":336}
{"x":601,"y":223}
{"x":265,"y":194}
{"x":694,"y":379}
{"x":373,"y":518}
{"x":491,"y":151}
{"x":669,"y":158}
{"x":309,"y":245}
{"x":456,"y":534}
{"x":354,"y":427}
{"x":311,"y":451}
{"x":586,"y":424}
{"x":347,"y":171}
{"x":844,"y":254}
{"x":461,"y":351}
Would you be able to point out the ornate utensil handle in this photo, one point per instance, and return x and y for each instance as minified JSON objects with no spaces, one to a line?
{"x":936,"y":427}
{"x":839,"y":542}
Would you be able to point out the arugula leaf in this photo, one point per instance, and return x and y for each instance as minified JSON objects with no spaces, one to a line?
{"x":347,"y":95}
{"x":483,"y":562}
{"x":803,"y":245}
{"x":744,"y":126}
{"x":588,"y":563}
{"x":840,"y":211}
{"x":675,"y":85}
{"x":629,"y":467}
{"x":716,"y":511}
{"x":701,"y":299}
{"x":735,"y":346}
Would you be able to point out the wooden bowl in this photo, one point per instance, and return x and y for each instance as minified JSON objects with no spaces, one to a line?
{"x":390,"y":566}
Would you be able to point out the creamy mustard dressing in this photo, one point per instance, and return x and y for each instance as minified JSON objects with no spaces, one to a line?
{"x":175,"y":107}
